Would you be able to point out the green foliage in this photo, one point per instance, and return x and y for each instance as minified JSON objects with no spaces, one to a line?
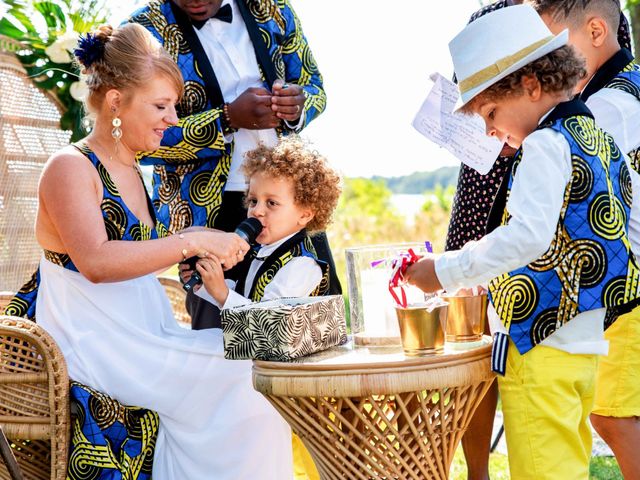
{"x":601,"y":468}
{"x":47,"y":31}
{"x":365,"y":197}
{"x":441,"y":198}
{"x":419,"y":182}
{"x":604,"y":468}
{"x":366,"y":216}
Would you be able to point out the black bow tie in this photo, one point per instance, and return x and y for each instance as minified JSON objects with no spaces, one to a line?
{"x":224,"y":14}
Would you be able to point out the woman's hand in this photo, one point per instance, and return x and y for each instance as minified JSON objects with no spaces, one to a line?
{"x":422,"y":274}
{"x":210,"y":269}
{"x":229,"y":248}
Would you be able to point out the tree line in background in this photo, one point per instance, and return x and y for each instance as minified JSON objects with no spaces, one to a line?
{"x":420,"y":182}
{"x":367,"y":216}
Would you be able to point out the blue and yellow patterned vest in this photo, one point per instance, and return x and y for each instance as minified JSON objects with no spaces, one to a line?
{"x":589,"y":264}
{"x":298,"y":245}
{"x":192,"y":164}
{"x":620,"y":72}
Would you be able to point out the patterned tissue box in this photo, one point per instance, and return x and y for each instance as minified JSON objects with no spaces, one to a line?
{"x":283,"y":329}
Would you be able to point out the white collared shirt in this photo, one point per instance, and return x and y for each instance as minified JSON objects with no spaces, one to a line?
{"x":233,"y":59}
{"x":298,"y":278}
{"x":534,"y":204}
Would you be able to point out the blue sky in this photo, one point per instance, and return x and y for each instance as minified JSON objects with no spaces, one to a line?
{"x":376,"y":57}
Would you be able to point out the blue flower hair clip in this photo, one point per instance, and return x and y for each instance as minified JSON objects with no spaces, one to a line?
{"x":90,"y":49}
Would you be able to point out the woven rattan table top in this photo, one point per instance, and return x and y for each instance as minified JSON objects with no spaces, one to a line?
{"x":351,"y":357}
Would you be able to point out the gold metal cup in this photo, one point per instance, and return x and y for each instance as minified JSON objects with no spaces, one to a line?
{"x":421,"y":331}
{"x":466,"y":318}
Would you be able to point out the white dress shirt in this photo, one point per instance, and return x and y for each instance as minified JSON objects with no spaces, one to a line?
{"x":233,"y":59}
{"x":298,"y":278}
{"x":534,"y":204}
{"x":618,"y":113}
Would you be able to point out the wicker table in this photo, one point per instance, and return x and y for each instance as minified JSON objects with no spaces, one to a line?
{"x":374,"y":413}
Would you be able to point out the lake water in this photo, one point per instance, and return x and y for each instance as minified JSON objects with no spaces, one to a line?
{"x":408,"y":204}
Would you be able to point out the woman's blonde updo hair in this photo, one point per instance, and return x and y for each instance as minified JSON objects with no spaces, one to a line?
{"x":123,"y":58}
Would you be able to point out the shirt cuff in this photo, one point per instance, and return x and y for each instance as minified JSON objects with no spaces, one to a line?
{"x":202,"y":293}
{"x":228,"y":137}
{"x":297,"y":127}
{"x":448,"y":271}
{"x":234,"y":299}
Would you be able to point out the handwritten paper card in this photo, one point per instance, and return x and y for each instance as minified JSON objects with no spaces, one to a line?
{"x":463,"y":135}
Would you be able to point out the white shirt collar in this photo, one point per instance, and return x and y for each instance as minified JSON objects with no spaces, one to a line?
{"x":267,"y":250}
{"x":543,"y":117}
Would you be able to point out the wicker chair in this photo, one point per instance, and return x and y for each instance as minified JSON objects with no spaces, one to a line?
{"x":34,"y":409}
{"x":34,"y":400}
{"x":29,"y":134}
{"x":177,"y":297}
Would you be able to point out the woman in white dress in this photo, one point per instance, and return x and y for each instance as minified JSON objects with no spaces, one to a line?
{"x":98,"y":296}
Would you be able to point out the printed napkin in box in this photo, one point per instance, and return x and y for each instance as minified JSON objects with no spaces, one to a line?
{"x":283,"y":329}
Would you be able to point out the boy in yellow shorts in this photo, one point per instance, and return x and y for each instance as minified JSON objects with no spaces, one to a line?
{"x":561,"y":256}
{"x":611,"y":90}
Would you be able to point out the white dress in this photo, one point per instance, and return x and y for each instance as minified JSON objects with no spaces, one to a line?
{"x":121,"y":338}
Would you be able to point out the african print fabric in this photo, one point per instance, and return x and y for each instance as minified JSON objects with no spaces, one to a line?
{"x":110,"y":440}
{"x":589,"y":264}
{"x":192,"y":165}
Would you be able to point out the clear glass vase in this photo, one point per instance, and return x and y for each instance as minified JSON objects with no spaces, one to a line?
{"x":373,"y":317}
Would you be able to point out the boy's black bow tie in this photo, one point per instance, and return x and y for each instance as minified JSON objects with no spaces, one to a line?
{"x":224,"y":14}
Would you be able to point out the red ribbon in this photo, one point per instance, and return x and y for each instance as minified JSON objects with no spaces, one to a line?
{"x":399,"y":267}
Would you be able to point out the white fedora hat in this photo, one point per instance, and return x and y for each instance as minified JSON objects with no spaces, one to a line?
{"x":498,"y":44}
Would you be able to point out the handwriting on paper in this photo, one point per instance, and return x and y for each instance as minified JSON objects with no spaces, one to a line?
{"x":462,"y":135}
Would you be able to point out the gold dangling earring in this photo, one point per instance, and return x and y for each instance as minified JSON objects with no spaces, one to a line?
{"x":116,"y":132}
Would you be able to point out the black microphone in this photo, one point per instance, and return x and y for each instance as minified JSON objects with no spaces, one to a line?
{"x":248,"y":230}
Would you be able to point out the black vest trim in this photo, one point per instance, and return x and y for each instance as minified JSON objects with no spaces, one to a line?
{"x":499,"y":205}
{"x":572,"y":108}
{"x":262,"y":53}
{"x":211,"y":84}
{"x":607,"y":72}
{"x":275,"y":255}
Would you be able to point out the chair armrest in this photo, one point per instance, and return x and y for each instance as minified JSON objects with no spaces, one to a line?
{"x":34,"y":388}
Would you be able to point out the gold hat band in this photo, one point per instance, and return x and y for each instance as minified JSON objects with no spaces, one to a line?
{"x":500,"y":66}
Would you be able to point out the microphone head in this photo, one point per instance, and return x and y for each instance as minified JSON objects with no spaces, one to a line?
{"x":249,"y":229}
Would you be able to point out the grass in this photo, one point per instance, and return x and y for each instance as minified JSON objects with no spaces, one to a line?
{"x":601,"y":468}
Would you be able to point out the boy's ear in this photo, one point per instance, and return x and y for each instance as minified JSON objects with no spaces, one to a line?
{"x":305,"y":217}
{"x":532,"y":87}
{"x":598,"y":30}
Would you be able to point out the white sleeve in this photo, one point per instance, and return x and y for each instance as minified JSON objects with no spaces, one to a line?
{"x":618,"y":114}
{"x":298,"y":278}
{"x":202,"y":292}
{"x":534,"y":204}
{"x":298,"y":126}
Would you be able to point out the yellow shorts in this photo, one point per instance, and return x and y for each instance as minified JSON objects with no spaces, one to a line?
{"x":547,"y":396}
{"x":618,"y":378}
{"x":303,"y":466}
